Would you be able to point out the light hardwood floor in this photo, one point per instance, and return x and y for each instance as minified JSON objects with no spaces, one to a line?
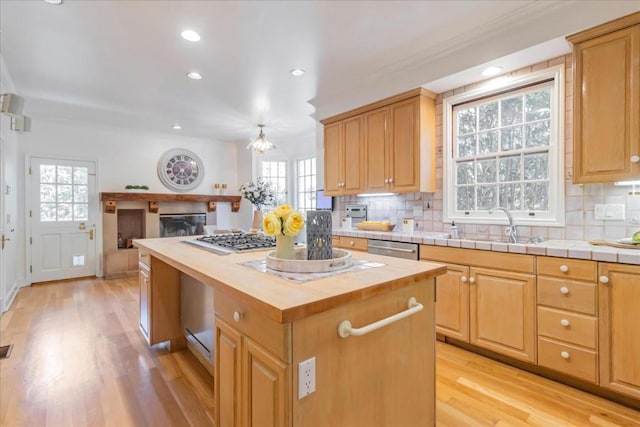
{"x":79,"y":360}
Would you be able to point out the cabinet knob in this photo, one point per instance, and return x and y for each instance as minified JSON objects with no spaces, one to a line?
{"x":386,"y":180}
{"x":564,"y":322}
{"x":463,"y":279}
{"x":564,"y":290}
{"x":472,"y":280}
{"x":604,"y":279}
{"x":565,"y":355}
{"x":564,"y":268}
{"x":390,"y":180}
{"x":352,"y":243}
{"x":635,"y":159}
{"x":237,"y":316}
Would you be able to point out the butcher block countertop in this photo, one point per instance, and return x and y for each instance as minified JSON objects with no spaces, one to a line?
{"x":280,"y":299}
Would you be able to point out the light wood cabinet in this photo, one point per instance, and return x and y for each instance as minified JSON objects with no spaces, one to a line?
{"x":159,"y":301}
{"x":354,"y":243}
{"x":606,"y":101}
{"x":251,"y":385}
{"x":499,"y":290}
{"x":343,"y":167}
{"x":502,"y":312}
{"x":398,"y":145}
{"x":567,"y":316}
{"x":619,"y":317}
{"x":452,"y":303}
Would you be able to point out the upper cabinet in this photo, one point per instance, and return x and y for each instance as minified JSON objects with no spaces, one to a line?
{"x":606,"y":101}
{"x":343,"y":157}
{"x":395,"y":138}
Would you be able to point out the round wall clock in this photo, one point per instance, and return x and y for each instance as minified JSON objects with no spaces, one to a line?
{"x":180,"y":170}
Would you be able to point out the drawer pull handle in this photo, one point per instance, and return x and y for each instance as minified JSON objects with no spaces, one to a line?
{"x":345,"y":329}
{"x":237,"y":316}
{"x":564,"y":268}
{"x":604,"y":279}
{"x":564,"y":290}
{"x":635,"y":159}
{"x":463,"y":279}
{"x":564,"y":322}
{"x":351,"y":242}
{"x":565,"y":355}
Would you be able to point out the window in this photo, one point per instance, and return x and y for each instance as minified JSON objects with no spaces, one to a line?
{"x":275,"y":172}
{"x":504,"y":147}
{"x":64,"y":193}
{"x":306,"y":197}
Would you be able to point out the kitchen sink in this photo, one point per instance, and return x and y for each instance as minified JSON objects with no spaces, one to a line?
{"x":521,"y":240}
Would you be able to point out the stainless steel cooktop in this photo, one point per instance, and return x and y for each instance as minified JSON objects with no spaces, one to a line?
{"x":225,"y":244}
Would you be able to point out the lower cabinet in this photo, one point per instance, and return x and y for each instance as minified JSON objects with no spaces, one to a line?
{"x":159,"y":300}
{"x":502,"y":312}
{"x":250,"y":383}
{"x":619,"y":317}
{"x":355,"y":243}
{"x":484,"y":305}
{"x":452,"y":303}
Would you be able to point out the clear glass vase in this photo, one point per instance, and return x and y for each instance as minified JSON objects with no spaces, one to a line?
{"x":284,"y":247}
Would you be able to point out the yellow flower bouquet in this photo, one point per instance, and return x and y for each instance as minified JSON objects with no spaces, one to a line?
{"x":284,"y":223}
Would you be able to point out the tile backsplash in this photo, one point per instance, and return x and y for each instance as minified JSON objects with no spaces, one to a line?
{"x":580,"y":200}
{"x":580,"y":223}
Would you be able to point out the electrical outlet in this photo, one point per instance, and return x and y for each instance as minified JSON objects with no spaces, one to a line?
{"x":306,"y":377}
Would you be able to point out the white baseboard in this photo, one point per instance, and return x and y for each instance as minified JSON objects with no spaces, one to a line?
{"x":11,"y":295}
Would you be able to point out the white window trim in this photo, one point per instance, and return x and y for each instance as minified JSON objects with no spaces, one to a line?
{"x":555,"y":218}
{"x":297,"y":176}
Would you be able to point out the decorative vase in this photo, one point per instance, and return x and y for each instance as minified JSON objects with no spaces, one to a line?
{"x":284,"y":247}
{"x":257,"y":220}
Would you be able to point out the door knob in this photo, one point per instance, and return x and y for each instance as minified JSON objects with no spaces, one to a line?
{"x":4,"y":239}
{"x":91,"y":234}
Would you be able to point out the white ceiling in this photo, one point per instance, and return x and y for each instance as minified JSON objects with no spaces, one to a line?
{"x":123,"y":63}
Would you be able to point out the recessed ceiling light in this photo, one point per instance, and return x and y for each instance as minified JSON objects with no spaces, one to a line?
{"x":194,"y":75}
{"x":491,"y":71}
{"x":190,"y":35}
{"x":297,"y":72}
{"x":56,"y":2}
{"x":176,"y":127}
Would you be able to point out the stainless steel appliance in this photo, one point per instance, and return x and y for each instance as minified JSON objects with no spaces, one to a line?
{"x":196,"y":315}
{"x":225,"y":244}
{"x":357,"y":213}
{"x":394,"y":249}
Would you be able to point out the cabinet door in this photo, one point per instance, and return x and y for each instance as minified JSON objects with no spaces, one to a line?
{"x":144,"y":280}
{"x":404,"y":159}
{"x":353,"y":155}
{"x":502,"y":312}
{"x":333,"y":162}
{"x":619,"y":298}
{"x":376,"y":146}
{"x":607,"y":107}
{"x":265,"y":398}
{"x":227,"y":378}
{"x":452,"y":303}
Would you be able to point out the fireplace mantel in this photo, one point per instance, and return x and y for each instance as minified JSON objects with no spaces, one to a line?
{"x":110,"y":200}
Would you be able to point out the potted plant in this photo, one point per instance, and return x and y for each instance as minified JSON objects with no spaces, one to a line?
{"x":259,"y":193}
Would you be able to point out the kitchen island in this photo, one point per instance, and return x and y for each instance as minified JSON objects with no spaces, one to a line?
{"x":266,"y":326}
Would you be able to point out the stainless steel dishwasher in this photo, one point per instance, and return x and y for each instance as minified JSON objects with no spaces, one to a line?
{"x":395,"y":249}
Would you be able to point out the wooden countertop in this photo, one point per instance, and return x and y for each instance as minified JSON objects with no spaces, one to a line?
{"x":280,"y":299}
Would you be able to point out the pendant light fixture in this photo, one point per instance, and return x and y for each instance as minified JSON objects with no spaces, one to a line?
{"x":261,"y":144}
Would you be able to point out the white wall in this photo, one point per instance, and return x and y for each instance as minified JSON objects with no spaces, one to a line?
{"x":126,"y":156}
{"x":13,"y":264}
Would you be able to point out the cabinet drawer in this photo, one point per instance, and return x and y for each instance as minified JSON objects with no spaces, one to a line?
{"x":274,"y":336}
{"x":566,"y":326}
{"x":568,"y":295}
{"x":356,"y":243}
{"x":335,"y":241}
{"x":145,"y":259}
{"x":571,"y":360}
{"x":567,"y":268}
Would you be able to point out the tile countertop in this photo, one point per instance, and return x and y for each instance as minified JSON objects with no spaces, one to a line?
{"x":579,"y":249}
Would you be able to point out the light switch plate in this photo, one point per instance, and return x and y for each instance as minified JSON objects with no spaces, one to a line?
{"x":599,"y":212}
{"x":614,"y":212}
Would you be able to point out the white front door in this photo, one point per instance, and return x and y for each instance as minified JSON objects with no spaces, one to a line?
{"x":3,"y":289}
{"x":64,"y":207}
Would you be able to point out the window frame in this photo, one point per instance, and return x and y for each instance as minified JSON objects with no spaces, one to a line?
{"x":504,"y":86}
{"x":268,"y":179}
{"x":299,"y":191}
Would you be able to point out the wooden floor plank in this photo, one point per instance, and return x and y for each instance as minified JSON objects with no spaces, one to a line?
{"x":79,"y":360}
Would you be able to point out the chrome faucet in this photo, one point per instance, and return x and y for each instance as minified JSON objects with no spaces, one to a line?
{"x":512,"y":230}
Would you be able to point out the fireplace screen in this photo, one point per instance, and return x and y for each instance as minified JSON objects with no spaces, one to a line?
{"x":192,"y":224}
